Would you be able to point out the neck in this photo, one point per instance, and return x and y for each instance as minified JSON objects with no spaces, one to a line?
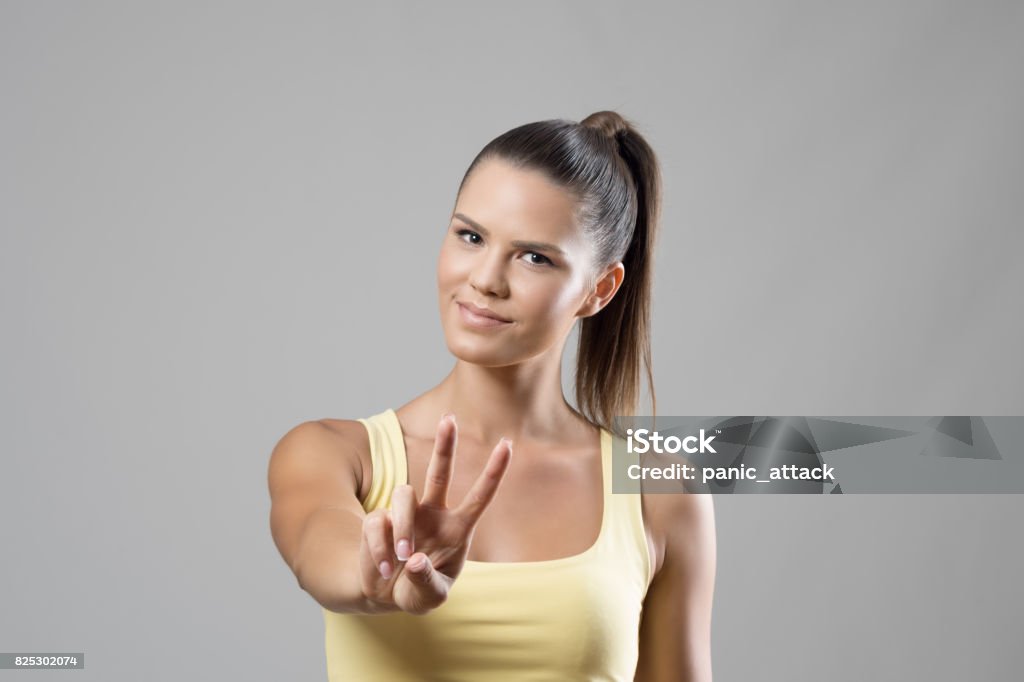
{"x":520,"y":402}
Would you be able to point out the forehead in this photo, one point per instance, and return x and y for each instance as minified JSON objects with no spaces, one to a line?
{"x":517,"y":202}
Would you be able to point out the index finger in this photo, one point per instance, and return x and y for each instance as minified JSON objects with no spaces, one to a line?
{"x":439,"y":469}
{"x":482,"y":492}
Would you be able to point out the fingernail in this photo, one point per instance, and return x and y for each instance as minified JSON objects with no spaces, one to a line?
{"x":385,"y":569}
{"x":450,"y":416}
{"x":402,"y":550}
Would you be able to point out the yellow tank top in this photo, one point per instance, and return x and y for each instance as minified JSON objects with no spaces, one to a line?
{"x":573,"y":618}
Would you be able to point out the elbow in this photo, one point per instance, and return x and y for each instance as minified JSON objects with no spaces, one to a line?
{"x":308,"y":583}
{"x":338,"y":595}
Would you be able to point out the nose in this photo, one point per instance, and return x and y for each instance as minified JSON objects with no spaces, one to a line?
{"x":488,"y":275}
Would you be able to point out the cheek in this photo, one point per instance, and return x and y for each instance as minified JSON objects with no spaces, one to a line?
{"x":449,"y":268}
{"x":551,"y":300}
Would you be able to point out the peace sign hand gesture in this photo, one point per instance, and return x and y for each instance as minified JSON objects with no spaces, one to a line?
{"x":425,"y":540}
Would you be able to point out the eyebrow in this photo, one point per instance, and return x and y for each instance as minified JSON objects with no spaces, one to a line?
{"x":519,"y":244}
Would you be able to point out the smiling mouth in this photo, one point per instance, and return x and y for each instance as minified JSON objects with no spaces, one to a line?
{"x":478,"y":320}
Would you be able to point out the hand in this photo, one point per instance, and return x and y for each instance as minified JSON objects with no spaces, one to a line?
{"x":410,"y":555}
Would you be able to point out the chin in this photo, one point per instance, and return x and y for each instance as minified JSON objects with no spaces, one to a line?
{"x":481,"y":352}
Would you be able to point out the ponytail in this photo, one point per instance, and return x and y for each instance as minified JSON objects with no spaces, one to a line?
{"x":615,"y":344}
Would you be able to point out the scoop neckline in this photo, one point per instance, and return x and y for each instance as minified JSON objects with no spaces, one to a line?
{"x":581,"y":556}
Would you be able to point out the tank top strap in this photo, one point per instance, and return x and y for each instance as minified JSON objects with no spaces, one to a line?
{"x":625,"y":538}
{"x":387,"y":458}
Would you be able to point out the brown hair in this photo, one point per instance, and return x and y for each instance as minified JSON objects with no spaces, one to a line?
{"x":615,"y":176}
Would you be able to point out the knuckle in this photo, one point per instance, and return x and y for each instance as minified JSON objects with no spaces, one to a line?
{"x":378,"y":535}
{"x":463,"y":520}
{"x":371,"y":523}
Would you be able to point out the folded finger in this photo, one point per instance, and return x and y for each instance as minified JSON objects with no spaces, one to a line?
{"x":378,"y":555}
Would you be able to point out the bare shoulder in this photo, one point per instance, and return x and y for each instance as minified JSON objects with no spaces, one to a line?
{"x":332,"y":450}
{"x":353,"y":440}
{"x":675,"y":523}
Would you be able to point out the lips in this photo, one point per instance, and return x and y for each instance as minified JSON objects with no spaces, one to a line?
{"x":482,"y":312}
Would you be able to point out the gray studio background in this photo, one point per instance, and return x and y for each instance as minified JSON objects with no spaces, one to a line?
{"x":221,"y":219}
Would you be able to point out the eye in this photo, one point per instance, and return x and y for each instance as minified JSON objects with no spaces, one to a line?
{"x":544,"y":260}
{"x":464,"y":232}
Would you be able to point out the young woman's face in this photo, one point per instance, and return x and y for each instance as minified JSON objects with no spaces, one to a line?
{"x":513,"y":248}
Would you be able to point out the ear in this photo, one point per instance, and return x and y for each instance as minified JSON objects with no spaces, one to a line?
{"x":604,"y":289}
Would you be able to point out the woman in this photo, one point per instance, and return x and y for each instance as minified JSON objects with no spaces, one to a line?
{"x":496,"y":566}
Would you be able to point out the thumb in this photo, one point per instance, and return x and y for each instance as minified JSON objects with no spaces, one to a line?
{"x":433,"y":588}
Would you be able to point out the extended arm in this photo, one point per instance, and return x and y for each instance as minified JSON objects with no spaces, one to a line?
{"x":316,"y":519}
